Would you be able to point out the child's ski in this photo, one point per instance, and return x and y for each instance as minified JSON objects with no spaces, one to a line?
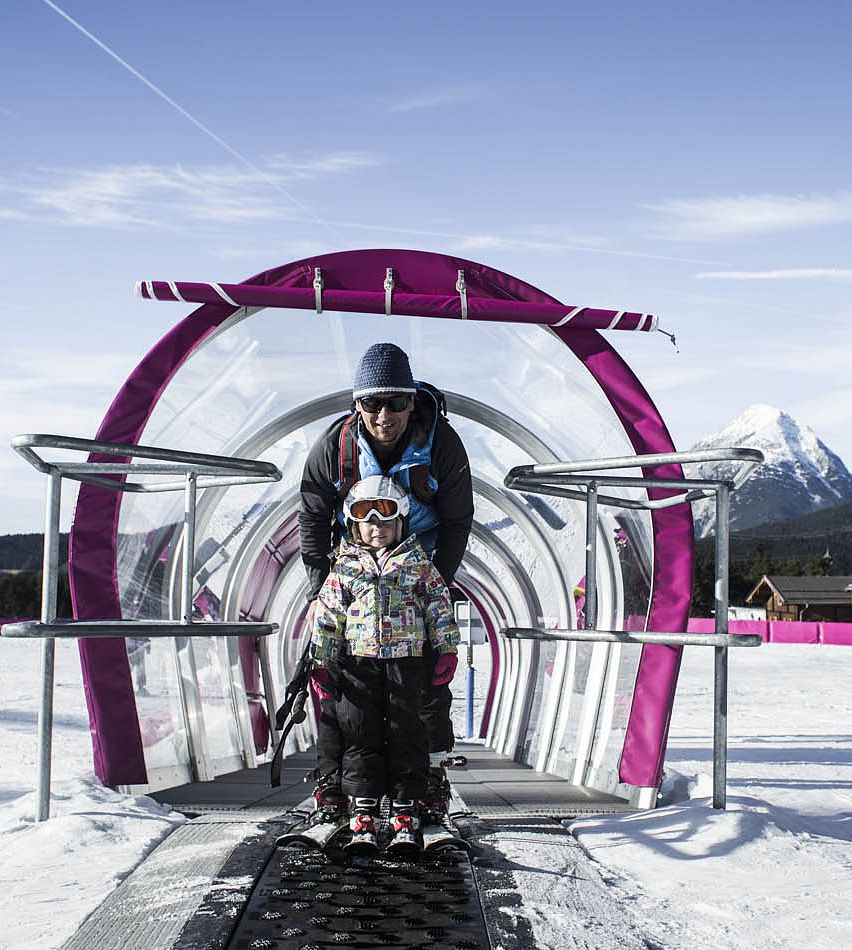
{"x":316,"y":834}
{"x":443,"y":835}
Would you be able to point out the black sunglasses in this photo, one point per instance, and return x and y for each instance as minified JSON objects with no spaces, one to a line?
{"x":377,"y":403}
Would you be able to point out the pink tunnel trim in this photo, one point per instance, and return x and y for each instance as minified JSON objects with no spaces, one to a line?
{"x":404,"y":303}
{"x":117,"y":745}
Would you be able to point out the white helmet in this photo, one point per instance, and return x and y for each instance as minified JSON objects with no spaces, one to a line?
{"x":375,"y":496}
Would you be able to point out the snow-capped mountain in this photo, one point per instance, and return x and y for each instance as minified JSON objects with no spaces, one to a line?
{"x":800,"y":474}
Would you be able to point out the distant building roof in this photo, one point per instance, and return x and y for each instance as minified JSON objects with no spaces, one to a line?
{"x":804,"y":590}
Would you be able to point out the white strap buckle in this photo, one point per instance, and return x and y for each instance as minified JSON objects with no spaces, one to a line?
{"x":318,"y":288}
{"x":388,"y":290}
{"x":462,"y":289}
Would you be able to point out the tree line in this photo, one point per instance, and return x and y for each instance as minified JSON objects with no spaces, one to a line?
{"x":747,"y":565}
{"x":20,"y":594}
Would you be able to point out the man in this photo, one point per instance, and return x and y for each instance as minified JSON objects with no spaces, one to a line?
{"x":397,"y":428}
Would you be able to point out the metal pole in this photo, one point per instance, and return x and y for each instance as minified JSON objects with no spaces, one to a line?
{"x":720,"y":653}
{"x":187,"y":670}
{"x":471,"y":676}
{"x":190,"y":497}
{"x":49,"y":582}
{"x":591,"y":606}
{"x":461,"y":609}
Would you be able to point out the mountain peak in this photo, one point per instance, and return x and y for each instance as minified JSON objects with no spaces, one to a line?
{"x":800,"y":474}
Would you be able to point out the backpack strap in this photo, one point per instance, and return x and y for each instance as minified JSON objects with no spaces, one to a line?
{"x":418,"y":479}
{"x":347,"y":461}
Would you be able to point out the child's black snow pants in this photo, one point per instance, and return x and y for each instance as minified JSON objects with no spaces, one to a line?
{"x":385,"y":745}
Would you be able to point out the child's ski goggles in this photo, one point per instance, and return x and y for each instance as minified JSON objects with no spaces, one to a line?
{"x":385,"y":509}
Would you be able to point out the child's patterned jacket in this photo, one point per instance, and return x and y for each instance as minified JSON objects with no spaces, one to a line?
{"x":384,"y":611}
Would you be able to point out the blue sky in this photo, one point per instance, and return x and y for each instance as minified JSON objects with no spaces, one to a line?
{"x":682,"y":159}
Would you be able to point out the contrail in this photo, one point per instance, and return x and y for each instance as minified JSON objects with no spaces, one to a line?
{"x":199,"y":125}
{"x":506,"y":242}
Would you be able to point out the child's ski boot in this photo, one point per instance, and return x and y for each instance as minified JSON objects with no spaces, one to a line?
{"x":362,"y":824}
{"x":438,"y":832}
{"x":331,"y":803}
{"x":405,"y":828}
{"x":437,"y":801}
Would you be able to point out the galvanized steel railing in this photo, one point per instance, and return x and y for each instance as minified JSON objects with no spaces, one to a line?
{"x":585,"y":477}
{"x":198,"y":471}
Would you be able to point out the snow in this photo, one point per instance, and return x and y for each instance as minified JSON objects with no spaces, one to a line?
{"x":773,"y":871}
{"x":54,"y":874}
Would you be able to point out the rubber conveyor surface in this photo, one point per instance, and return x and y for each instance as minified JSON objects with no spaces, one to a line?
{"x":305,"y":900}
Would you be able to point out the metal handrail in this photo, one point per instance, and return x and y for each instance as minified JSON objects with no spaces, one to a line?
{"x":637,"y":636}
{"x":211,"y":470}
{"x":548,"y":478}
{"x":87,"y":629}
{"x":199,"y":470}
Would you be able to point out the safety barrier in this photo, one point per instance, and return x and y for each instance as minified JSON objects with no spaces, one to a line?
{"x":199,"y":471}
{"x":582,"y":480}
{"x":826,"y":632}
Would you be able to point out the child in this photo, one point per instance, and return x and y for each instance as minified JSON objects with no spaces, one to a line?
{"x":381,"y":601}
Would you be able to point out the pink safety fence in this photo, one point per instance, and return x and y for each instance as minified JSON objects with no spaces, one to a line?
{"x":782,"y":631}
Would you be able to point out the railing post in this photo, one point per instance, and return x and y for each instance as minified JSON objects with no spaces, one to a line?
{"x":190,"y":504}
{"x":591,"y":605}
{"x":49,"y":584}
{"x":187,"y":669}
{"x":720,"y":654}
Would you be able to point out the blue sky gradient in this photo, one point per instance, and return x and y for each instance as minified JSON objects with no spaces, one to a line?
{"x":690,"y":161}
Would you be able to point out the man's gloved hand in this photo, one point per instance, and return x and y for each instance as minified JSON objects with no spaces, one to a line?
{"x":445,"y":668}
{"x":323,"y":683}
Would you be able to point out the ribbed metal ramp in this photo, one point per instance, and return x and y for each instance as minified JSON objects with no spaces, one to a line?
{"x":219,"y":882}
{"x":495,"y":786}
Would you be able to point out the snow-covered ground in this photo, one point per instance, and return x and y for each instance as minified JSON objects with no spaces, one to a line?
{"x":773,"y":871}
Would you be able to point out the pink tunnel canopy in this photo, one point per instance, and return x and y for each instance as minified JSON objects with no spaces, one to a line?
{"x":118,"y":753}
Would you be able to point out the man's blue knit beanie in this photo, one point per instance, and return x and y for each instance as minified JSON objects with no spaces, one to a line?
{"x":384,"y":368}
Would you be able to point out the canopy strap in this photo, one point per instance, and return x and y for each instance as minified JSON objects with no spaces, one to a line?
{"x":318,"y":288}
{"x":388,"y":290}
{"x":461,"y":287}
{"x":671,"y":336}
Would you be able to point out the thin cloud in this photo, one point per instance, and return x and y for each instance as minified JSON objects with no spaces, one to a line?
{"x":438,"y":99}
{"x":147,"y":197}
{"x":144,"y":196}
{"x":825,"y":356}
{"x":185,"y":113}
{"x":792,"y":273}
{"x":468,"y":243}
{"x":663,"y":378}
{"x":744,"y":215}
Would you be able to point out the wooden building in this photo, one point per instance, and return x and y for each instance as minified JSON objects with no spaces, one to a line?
{"x":804,"y":598}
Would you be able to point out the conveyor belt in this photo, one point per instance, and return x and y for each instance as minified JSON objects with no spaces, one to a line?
{"x":213,"y":880}
{"x":305,"y":900}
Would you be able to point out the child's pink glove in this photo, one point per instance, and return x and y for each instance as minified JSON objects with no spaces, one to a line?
{"x":445,"y":668}
{"x":322,"y":683}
